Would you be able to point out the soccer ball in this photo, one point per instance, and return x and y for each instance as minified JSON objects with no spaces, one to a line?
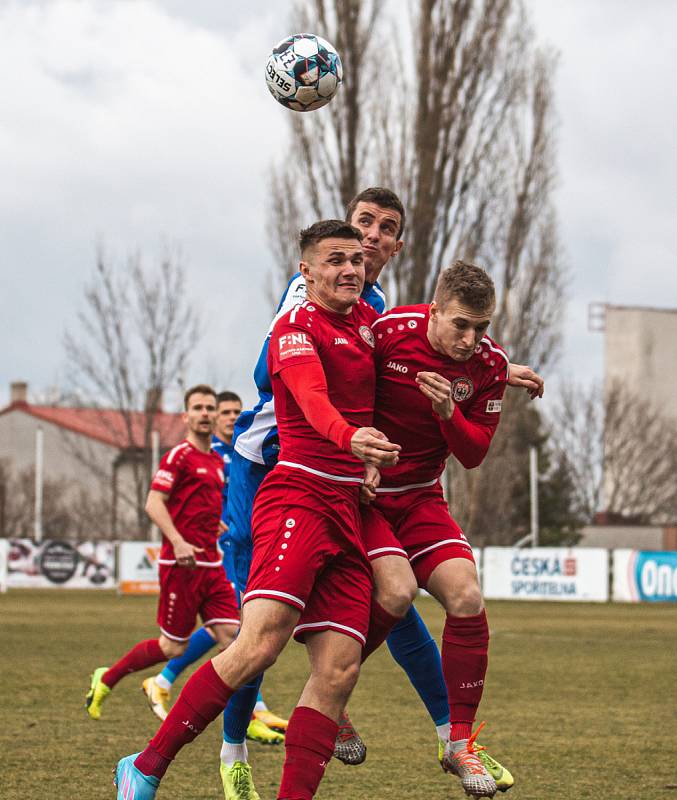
{"x":303,"y":72}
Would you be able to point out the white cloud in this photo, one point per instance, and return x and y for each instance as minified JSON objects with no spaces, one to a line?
{"x":123,"y":122}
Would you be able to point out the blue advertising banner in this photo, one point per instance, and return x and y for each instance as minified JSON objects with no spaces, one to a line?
{"x":645,"y":576}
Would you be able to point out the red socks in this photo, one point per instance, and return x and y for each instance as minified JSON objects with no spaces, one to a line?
{"x":309,"y":744}
{"x":465,"y":644}
{"x":143,"y":655}
{"x":381,"y":622}
{"x":202,"y":699}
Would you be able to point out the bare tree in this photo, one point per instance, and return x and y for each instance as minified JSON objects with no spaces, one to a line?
{"x":453,"y":109}
{"x":622,"y":451}
{"x":134,"y":338}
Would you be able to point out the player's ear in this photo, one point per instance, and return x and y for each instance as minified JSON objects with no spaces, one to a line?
{"x":398,"y":246}
{"x":304,"y":269}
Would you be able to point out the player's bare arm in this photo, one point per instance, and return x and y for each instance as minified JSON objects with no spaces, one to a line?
{"x":521,"y":376}
{"x":438,"y":390}
{"x":372,"y":447}
{"x":156,"y":508}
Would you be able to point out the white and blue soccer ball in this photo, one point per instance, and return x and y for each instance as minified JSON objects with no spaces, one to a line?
{"x":303,"y":72}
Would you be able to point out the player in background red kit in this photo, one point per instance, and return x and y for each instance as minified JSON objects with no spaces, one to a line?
{"x":184,"y":501}
{"x":310,"y":576}
{"x":438,"y":362}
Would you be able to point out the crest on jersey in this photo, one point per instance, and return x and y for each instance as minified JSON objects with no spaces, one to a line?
{"x":461,"y":389}
{"x":367,"y":335}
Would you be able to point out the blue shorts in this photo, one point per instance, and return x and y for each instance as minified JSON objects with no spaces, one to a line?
{"x":245,"y":478}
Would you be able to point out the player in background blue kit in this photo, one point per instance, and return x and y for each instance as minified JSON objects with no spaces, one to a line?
{"x":264,"y":726}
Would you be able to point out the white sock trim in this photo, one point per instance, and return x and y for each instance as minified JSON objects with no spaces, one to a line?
{"x":162,"y":682}
{"x":230,"y":753}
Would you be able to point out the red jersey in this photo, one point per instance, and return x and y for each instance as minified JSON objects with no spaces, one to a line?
{"x":343,"y":345}
{"x":194,"y":482}
{"x":406,"y":415}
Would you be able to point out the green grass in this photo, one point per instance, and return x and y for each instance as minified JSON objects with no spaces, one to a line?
{"x":581,"y":702}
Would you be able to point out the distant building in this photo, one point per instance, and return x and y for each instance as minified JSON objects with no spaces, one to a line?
{"x":640,"y":355}
{"x":90,"y":450}
{"x":640,"y":349}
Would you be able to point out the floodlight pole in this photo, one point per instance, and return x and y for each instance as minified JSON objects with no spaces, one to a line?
{"x":39,"y":479}
{"x":533,"y":487}
{"x":154,"y":461}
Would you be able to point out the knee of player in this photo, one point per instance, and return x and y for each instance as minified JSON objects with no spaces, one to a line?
{"x":264,"y":655}
{"x":468,"y":601}
{"x":398,"y":594}
{"x":340,"y":678}
{"x":171,"y":648}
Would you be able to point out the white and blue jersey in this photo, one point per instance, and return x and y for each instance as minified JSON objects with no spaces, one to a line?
{"x":255,"y":433}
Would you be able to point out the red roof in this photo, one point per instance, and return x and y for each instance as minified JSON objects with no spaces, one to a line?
{"x":107,"y":425}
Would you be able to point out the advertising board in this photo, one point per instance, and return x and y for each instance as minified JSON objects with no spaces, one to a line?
{"x":645,"y":576}
{"x":546,"y":573}
{"x":138,"y":568}
{"x":59,"y":563}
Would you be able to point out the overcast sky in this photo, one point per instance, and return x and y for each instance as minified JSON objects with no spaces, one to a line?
{"x":141,"y":123}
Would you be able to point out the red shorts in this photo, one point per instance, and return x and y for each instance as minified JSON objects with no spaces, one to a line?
{"x":308,"y":552}
{"x":415,"y":523}
{"x":185,"y":593}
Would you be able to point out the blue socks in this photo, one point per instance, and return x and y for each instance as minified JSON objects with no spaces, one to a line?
{"x":239,"y":711}
{"x":199,"y":643}
{"x":414,"y":649}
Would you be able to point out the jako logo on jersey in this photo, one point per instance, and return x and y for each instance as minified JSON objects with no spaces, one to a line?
{"x":397,"y":367}
{"x":494,"y":406}
{"x":340,"y":340}
{"x":201,"y":470}
{"x":295,"y":344}
{"x":461,"y":389}
{"x":367,"y":335}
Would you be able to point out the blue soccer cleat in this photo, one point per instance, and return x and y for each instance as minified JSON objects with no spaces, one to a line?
{"x":132,"y":784}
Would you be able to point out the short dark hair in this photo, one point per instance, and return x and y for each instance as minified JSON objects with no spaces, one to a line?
{"x":382,"y":197}
{"x":228,"y":397}
{"x":327,"y":229}
{"x":201,"y":388}
{"x":469,"y":283}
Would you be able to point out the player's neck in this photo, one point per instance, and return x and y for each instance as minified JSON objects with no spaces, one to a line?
{"x":225,"y":439}
{"x":318,"y":301}
{"x":200,"y":441}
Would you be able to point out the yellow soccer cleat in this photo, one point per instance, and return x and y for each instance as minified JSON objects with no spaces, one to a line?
{"x":257,"y":731}
{"x":502,"y":776}
{"x":158,"y":698}
{"x":237,"y":782}
{"x":499,"y":773}
{"x":274,"y":722}
{"x":98,"y":692}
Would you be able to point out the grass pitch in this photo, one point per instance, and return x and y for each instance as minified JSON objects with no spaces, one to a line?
{"x":581,"y":702}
